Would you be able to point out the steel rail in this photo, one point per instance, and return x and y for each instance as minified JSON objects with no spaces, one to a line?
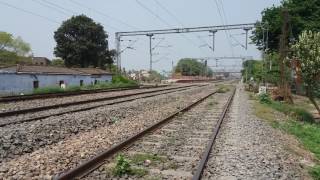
{"x":89,"y":108}
{"x":92,"y":164}
{"x":62,"y":94}
{"x":205,"y":156}
{"x":36,"y":109}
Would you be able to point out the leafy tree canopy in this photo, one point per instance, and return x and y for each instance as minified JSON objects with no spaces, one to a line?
{"x":13,"y":50}
{"x":307,"y":50}
{"x":304,"y":15}
{"x":11,"y":44}
{"x":57,"y":62}
{"x":82,"y":43}
{"x":192,"y":67}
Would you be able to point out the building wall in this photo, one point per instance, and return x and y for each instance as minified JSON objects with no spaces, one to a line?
{"x":11,"y":83}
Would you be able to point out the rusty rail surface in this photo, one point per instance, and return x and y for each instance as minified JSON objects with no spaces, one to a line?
{"x":92,"y":164}
{"x":96,"y":106}
{"x":205,"y":156}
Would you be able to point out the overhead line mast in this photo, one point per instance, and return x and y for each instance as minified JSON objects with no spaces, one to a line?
{"x":212,"y":29}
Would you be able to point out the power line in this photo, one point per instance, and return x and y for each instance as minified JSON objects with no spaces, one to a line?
{"x":223,"y":23}
{"x":154,"y":14}
{"x":103,"y":14}
{"x":168,"y":12}
{"x":29,"y":12}
{"x":165,"y":22}
{"x":50,"y":7}
{"x":60,"y":7}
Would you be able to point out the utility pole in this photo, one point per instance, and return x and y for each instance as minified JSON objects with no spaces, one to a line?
{"x":247,"y":29}
{"x":150,"y":50}
{"x":118,"y":53}
{"x":172,"y":69}
{"x":213,"y":38}
{"x":284,"y":38}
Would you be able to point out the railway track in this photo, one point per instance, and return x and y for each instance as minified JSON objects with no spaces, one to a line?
{"x":17,"y":98}
{"x":175,"y":147}
{"x":38,"y":113}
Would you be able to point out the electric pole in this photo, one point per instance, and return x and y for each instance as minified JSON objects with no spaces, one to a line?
{"x":213,"y":38}
{"x":150,"y":50}
{"x":247,"y":30}
{"x":284,"y":38}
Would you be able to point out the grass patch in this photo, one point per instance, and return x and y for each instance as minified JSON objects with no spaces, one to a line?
{"x":315,"y":172}
{"x":223,"y":88}
{"x":305,"y":131}
{"x":139,"y":159}
{"x":212,"y":103}
{"x":117,"y":82}
{"x":124,"y":166}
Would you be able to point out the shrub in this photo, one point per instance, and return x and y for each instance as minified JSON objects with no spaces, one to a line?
{"x":303,"y":115}
{"x":123,"y":166}
{"x":121,"y":79}
{"x":49,"y":89}
{"x":264,"y":99}
{"x":295,"y":112}
{"x":73,"y":88}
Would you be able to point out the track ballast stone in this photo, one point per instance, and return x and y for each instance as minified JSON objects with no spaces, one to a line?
{"x":174,"y":150}
{"x":85,"y":134}
{"x":249,"y":148}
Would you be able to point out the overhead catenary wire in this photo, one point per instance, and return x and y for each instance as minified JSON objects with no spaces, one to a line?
{"x":29,"y":12}
{"x":172,"y":15}
{"x":60,"y":7}
{"x":103,"y":14}
{"x":50,"y":7}
{"x":223,"y":23}
{"x":165,"y":22}
{"x":67,"y":11}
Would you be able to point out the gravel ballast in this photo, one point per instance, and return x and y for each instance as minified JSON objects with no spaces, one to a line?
{"x":249,"y":148}
{"x":76,"y":137}
{"x":12,"y":106}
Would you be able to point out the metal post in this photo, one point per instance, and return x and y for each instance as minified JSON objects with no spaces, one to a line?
{"x":118,"y":53}
{"x":150,"y":49}
{"x":247,"y":30}
{"x":213,"y":39}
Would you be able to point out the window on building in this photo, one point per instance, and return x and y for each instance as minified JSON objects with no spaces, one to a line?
{"x":35,"y":84}
{"x":95,"y":81}
{"x":41,"y":63}
{"x":81,"y":82}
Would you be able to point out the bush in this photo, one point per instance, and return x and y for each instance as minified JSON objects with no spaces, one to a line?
{"x":123,"y":166}
{"x":49,"y":89}
{"x":73,"y":88}
{"x":264,"y":99}
{"x":295,"y":112}
{"x":122,"y":79}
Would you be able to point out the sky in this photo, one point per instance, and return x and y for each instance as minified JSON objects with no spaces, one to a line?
{"x":37,"y":20}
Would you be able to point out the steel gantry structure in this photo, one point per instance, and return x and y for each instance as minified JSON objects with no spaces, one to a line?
{"x":151,"y":33}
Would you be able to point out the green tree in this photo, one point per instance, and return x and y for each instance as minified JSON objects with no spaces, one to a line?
{"x":13,"y":50}
{"x":82,"y":43}
{"x":307,"y":50}
{"x":253,"y":69}
{"x":192,"y":67}
{"x":20,"y":47}
{"x":57,"y":62}
{"x":17,"y":45}
{"x":6,"y":40}
{"x":304,"y":15}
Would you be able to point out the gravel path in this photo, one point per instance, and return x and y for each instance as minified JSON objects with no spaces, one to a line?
{"x":248,"y":148}
{"x":96,"y":130}
{"x":174,"y":150}
{"x":60,"y":100}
